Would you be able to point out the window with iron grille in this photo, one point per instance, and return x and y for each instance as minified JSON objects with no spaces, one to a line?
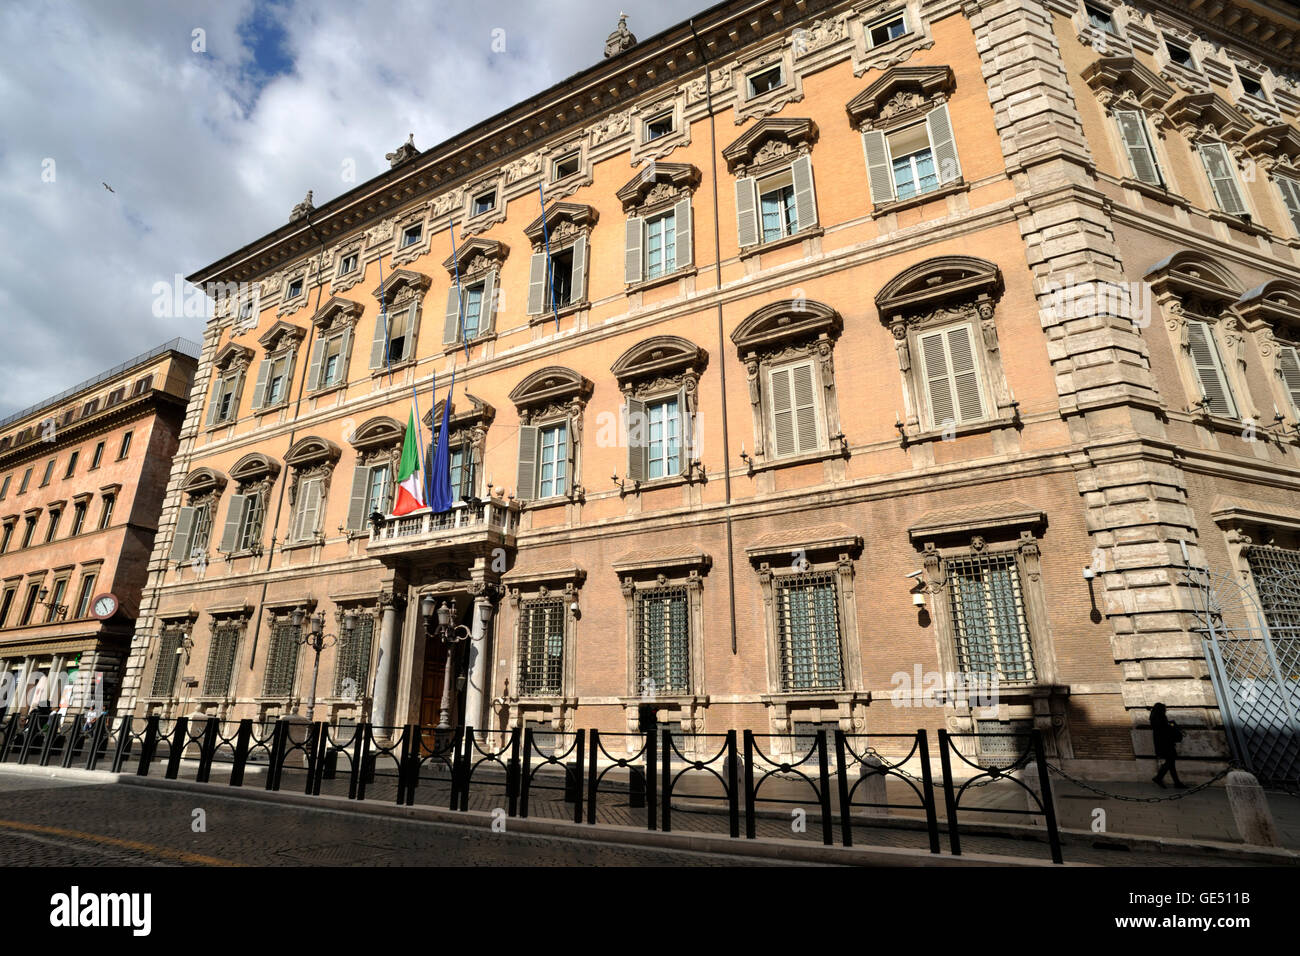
{"x":1276,"y":572}
{"x":281,"y":660}
{"x":988,"y":617}
{"x":169,"y":660}
{"x":541,"y":648}
{"x":221,"y":660}
{"x":808,"y":631}
{"x":353,"y":665}
{"x":663,"y":641}
{"x":993,"y":743}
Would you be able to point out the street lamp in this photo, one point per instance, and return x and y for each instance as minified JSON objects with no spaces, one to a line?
{"x":451,"y":636}
{"x":316,"y":638}
{"x":54,"y":610}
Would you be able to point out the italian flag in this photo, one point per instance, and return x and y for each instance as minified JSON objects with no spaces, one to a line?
{"x":410,"y":483}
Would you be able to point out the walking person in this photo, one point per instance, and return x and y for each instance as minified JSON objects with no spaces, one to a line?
{"x":1165,"y":734}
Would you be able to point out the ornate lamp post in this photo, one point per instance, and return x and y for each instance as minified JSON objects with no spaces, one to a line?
{"x":451,"y":636}
{"x":316,"y":638}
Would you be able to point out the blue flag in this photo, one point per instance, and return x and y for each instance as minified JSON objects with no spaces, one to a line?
{"x":442,"y":497}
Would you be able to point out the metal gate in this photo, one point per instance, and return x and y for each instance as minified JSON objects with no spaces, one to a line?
{"x":1251,"y":635}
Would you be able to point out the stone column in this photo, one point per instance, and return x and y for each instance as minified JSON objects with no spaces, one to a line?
{"x":386,"y":671}
{"x":476,"y":691}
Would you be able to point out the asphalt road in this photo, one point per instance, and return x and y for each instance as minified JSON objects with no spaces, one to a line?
{"x":45,"y":822}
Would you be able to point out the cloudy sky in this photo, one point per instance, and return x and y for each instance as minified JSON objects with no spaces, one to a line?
{"x":205,"y":150}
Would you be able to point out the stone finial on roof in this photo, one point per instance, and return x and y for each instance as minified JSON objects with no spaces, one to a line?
{"x":620,"y":39}
{"x":302,"y":209}
{"x":404,"y":152}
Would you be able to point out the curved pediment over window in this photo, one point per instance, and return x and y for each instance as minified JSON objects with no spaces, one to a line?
{"x":770,"y":140}
{"x":658,"y":182}
{"x":1116,"y":79}
{"x":1274,"y":145}
{"x":936,"y":283}
{"x":202,"y":480}
{"x":1200,"y":283}
{"x":551,"y":385}
{"x":784,"y":321}
{"x":899,"y":93}
{"x":662,"y":355}
{"x":337,"y":308}
{"x":254,"y":467}
{"x":1276,"y":302}
{"x":476,"y":255}
{"x":479,"y":412}
{"x":1206,"y":115}
{"x":312,"y":450}
{"x":401,"y":284}
{"x":232,"y":355}
{"x":379,"y":432}
{"x":560,"y":217}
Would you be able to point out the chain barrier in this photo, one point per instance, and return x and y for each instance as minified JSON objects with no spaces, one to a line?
{"x":1169,"y":798}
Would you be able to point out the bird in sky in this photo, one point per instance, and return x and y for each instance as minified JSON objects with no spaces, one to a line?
{"x":107,"y":186}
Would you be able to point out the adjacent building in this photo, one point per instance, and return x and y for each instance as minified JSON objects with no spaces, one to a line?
{"x":82,"y":477}
{"x":859,"y":350}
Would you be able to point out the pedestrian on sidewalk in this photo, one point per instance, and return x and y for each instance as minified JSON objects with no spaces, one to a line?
{"x":1165,"y":734}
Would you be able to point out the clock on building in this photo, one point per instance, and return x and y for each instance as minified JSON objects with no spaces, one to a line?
{"x":104,"y":607}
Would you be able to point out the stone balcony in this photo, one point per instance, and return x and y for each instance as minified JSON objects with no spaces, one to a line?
{"x":470,"y":529}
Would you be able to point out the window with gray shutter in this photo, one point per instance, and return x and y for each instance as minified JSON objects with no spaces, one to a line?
{"x":1223,"y":181}
{"x":632,"y":268}
{"x":537,"y":283}
{"x":360,"y":496}
{"x":1141,"y":155}
{"x":259,"y":390}
{"x":579,"y":270}
{"x":379,"y":340}
{"x":313,"y":370}
{"x":943,"y":145}
{"x":683,"y":253}
{"x":637,"y":439}
{"x":1208,"y":365}
{"x":747,"y":211}
{"x":794,"y":409}
{"x":1290,"y":190}
{"x":805,"y":196}
{"x":951,"y":377}
{"x":309,"y":504}
{"x":281,"y":660}
{"x":879,"y":175}
{"x":221,"y":659}
{"x":487,"y":308}
{"x":526,"y":482}
{"x":184,"y":530}
{"x":1289,"y":362}
{"x":236,"y":515}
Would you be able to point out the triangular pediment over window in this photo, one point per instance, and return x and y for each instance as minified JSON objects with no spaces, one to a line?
{"x":337,"y":307}
{"x":399,"y":280}
{"x":232,"y":354}
{"x":899,"y":91}
{"x":478,"y":412}
{"x":467,"y":252}
{"x":666,"y":177}
{"x":579,"y":214}
{"x":279,"y":335}
{"x":1208,"y":113}
{"x":770,"y":138}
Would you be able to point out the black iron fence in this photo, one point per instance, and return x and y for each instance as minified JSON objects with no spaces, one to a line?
{"x":648,"y":780}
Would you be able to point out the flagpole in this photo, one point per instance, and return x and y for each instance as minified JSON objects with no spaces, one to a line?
{"x":424,"y":470}
{"x":460,"y":298}
{"x":546,"y":238}
{"x":383,"y":314}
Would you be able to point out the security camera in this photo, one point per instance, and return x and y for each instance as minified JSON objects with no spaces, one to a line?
{"x":917,"y":573}
{"x":1089,"y":574}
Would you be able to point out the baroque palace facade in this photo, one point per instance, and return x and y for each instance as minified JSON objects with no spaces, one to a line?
{"x":822,"y":406}
{"x":82,"y":479}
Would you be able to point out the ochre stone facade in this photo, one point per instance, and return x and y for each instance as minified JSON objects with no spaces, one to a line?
{"x":900,"y":446}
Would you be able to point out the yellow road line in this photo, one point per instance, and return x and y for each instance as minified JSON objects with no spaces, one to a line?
{"x":148,"y":848}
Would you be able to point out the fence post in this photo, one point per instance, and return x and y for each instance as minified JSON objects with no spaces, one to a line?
{"x":51,"y":731}
{"x":123,"y":742}
{"x":28,"y":732}
{"x":513,"y":782}
{"x":457,"y":746}
{"x":577,"y":770}
{"x":828,"y":825}
{"x":927,"y":777}
{"x":468,"y":746}
{"x":97,"y":734}
{"x":403,"y":765}
{"x":360,"y":771}
{"x":842,"y":781}
{"x":592,"y":778}
{"x":668,"y":782}
{"x":651,"y":780}
{"x":278,"y":736}
{"x":180,"y":737}
{"x":1049,"y":811}
{"x":733,"y":788}
{"x":750,"y":830}
{"x":317,"y":740}
{"x":6,"y":739}
{"x":241,"y":752}
{"x":207,"y":750}
{"x":526,"y":774}
{"x":69,"y":739}
{"x":148,"y":746}
{"x":949,"y":799}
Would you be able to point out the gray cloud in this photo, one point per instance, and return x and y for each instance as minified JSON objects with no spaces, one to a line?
{"x":206,"y":151}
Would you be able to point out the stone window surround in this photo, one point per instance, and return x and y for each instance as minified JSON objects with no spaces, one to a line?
{"x":254,"y":474}
{"x":1245,"y":522}
{"x":468,"y":428}
{"x":310,"y":457}
{"x":204,"y":487}
{"x":1101,"y":40}
{"x":378,"y":441}
{"x":900,"y":49}
{"x":640,"y":572}
{"x":819,"y":549}
{"x":555,"y":189}
{"x":782,"y":331}
{"x":1276,"y":150}
{"x":475,"y":261}
{"x":475,"y":224}
{"x":1271,"y":312}
{"x":1012,"y":529}
{"x":546,"y":397}
{"x":768,"y":147}
{"x":278,"y":612}
{"x":182,"y":620}
{"x":952,"y":290}
{"x":643,"y":150}
{"x":355,"y":245}
{"x":779,"y":52}
{"x":1187,"y":283}
{"x":231,"y":359}
{"x":241,"y":617}
{"x":656,"y":189}
{"x":523,"y":586}
{"x":419,"y":216}
{"x":303,"y":271}
{"x":566,"y":223}
{"x":335,"y":317}
{"x":402,"y":289}
{"x":281,"y":340}
{"x":656,"y":368}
